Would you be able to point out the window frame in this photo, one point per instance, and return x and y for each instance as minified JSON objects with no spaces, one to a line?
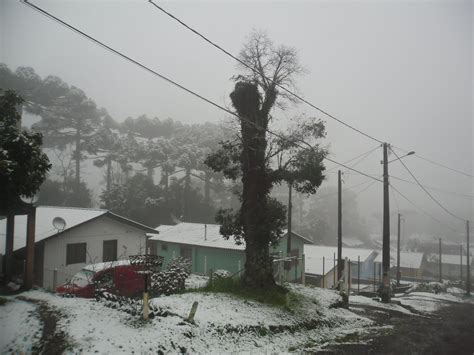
{"x":72,"y":255}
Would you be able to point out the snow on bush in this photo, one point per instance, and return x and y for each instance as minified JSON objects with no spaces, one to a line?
{"x":431,"y":287}
{"x":221,"y":274}
{"x":172,"y":279}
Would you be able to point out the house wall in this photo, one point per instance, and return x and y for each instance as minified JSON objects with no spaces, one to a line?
{"x":130,"y":240}
{"x":230,"y":260}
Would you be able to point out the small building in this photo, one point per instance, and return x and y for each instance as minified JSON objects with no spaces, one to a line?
{"x":208,"y":250}
{"x":410,"y":265}
{"x":450,"y":266}
{"x":321,"y":263}
{"x":89,"y":236}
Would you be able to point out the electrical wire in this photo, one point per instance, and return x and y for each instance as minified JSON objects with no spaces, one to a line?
{"x":471,"y":197}
{"x":425,"y":190}
{"x":438,"y":164}
{"x":362,"y":156}
{"x":142,"y":66}
{"x":259,"y":73}
{"x":422,"y":210}
{"x":256,"y":71}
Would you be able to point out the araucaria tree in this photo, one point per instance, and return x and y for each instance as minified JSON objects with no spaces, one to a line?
{"x":261,"y":159}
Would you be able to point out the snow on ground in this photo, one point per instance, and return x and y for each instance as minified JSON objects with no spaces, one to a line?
{"x":196,"y":281}
{"x":21,"y":327}
{"x":224,"y":323}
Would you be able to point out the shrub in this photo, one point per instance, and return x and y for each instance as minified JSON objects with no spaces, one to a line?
{"x":172,"y":279}
{"x":221,"y":274}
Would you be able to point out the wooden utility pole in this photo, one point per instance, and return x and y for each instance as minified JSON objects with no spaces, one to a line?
{"x":30,"y":247}
{"x":468,"y":266}
{"x":440,"y":262}
{"x":386,"y":230}
{"x":398,"y":252}
{"x":340,"y":265}
{"x":460,"y":255}
{"x":9,"y":247}
{"x":288,"y":239}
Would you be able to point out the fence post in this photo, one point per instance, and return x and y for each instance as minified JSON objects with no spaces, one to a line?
{"x":350,"y":275}
{"x":324,"y":274}
{"x":374,"y":277}
{"x":238,"y":266}
{"x":334,"y":270}
{"x":303,"y":270}
{"x":358,"y":274}
{"x":55,"y":279}
{"x":205,"y":264}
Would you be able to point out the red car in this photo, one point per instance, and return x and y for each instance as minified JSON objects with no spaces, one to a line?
{"x":118,"y":277}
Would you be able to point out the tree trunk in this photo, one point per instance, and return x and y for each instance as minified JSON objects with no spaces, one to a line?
{"x":109,"y":174}
{"x":256,"y":188}
{"x":207,"y":188}
{"x":77,"y":158}
{"x":186,"y":193}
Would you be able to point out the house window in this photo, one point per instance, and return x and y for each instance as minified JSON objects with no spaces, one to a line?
{"x":164,"y":246}
{"x":109,"y":251}
{"x":186,"y":253}
{"x":76,"y":253}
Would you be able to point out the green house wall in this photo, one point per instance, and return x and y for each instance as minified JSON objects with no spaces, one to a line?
{"x":227,"y":259}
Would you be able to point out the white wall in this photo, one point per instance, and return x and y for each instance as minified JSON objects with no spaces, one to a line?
{"x":130,"y":241}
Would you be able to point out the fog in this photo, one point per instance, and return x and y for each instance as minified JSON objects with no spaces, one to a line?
{"x":400,"y":71}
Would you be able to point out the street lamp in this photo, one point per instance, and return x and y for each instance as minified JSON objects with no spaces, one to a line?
{"x":403,"y":156}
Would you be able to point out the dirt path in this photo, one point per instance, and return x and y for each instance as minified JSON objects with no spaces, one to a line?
{"x":53,"y":340}
{"x":450,"y":330}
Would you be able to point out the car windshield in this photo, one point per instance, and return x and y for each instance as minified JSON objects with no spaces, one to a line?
{"x":82,"y":278}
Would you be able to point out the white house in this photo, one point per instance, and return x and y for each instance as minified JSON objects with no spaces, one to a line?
{"x":89,"y":236}
{"x":410,"y":264}
{"x":320,"y":263}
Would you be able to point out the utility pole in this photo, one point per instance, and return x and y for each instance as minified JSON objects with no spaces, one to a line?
{"x":468,"y":272}
{"x":398,"y":251}
{"x":340,"y":265}
{"x":385,"y":294}
{"x":440,"y":262}
{"x":287,"y":263}
{"x":460,"y":254}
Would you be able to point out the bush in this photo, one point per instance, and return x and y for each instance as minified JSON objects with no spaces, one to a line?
{"x":431,"y":287}
{"x":221,"y":274}
{"x":172,"y":279}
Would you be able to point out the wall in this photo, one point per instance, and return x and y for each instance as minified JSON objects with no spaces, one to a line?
{"x":227,"y":259}
{"x":130,"y":241}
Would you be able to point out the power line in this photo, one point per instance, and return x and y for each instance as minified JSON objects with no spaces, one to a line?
{"x":422,"y":210}
{"x":255,"y":70}
{"x":362,"y":156}
{"x":436,"y":188}
{"x":438,"y":164}
{"x":259,"y":73}
{"x":424,"y":189}
{"x":142,"y":66}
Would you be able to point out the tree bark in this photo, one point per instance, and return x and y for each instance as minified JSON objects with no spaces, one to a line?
{"x":109,"y":174}
{"x":256,"y":187}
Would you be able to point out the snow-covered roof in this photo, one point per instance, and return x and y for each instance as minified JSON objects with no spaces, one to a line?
{"x":407,"y":259}
{"x":206,"y":235}
{"x":44,"y":223}
{"x":351,"y":241}
{"x":314,"y":257}
{"x":448,"y":259}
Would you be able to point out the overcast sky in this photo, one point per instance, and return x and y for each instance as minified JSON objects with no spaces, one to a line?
{"x":401,"y":71}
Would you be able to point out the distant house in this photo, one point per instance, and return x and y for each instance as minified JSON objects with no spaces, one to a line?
{"x":410,"y":264}
{"x":89,"y":236}
{"x":321,"y":263}
{"x":208,"y":250}
{"x":450,"y":266}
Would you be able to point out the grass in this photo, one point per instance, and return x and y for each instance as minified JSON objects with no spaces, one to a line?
{"x":3,"y":301}
{"x":277,"y":295}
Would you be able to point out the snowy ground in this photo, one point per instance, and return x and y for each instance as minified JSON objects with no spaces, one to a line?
{"x":20,"y":329}
{"x":223,"y":323}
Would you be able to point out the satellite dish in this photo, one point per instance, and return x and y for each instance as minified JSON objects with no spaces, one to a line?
{"x":59,"y":223}
{"x":30,"y":200}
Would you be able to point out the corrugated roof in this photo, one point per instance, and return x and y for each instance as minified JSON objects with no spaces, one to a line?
{"x":195,"y":234}
{"x":314,"y":257}
{"x":44,"y":223}
{"x":407,"y":259}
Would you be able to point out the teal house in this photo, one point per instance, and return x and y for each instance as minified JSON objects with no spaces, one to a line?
{"x":208,"y":250}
